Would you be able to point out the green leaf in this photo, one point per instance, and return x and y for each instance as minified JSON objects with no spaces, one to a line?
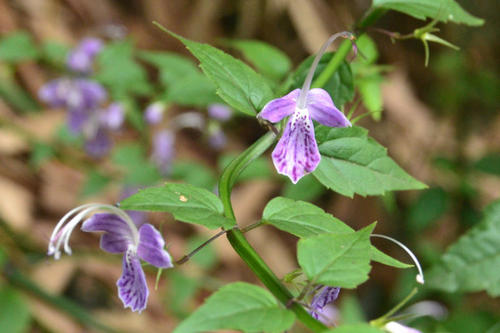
{"x":385,"y":259}
{"x":301,"y":219}
{"x":17,"y":47}
{"x":181,"y":291}
{"x":237,"y":84}
{"x":473,"y":262}
{"x":340,"y":86}
{"x":267,"y":59}
{"x":355,"y":328}
{"x":489,"y":164}
{"x":341,"y":260}
{"x":186,"y":202}
{"x":55,"y":53}
{"x":192,"y":90}
{"x":137,"y":169}
{"x":172,"y":66}
{"x":16,"y":96}
{"x":358,"y":164}
{"x":120,"y":72}
{"x":370,"y":88}
{"x":429,"y":207}
{"x":14,"y":311}
{"x":194,"y":174}
{"x":239,"y":306}
{"x":441,"y":10}
{"x":304,"y":219}
{"x":351,"y":311}
{"x":40,"y":153}
{"x":94,"y":183}
{"x":306,"y":189}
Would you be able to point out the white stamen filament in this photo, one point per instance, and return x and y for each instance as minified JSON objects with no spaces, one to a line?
{"x":420,"y":275}
{"x":307,"y":82}
{"x":63,"y":230}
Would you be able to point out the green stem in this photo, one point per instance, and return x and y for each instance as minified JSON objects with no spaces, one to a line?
{"x":379,"y":322}
{"x":63,"y":304}
{"x":241,"y":245}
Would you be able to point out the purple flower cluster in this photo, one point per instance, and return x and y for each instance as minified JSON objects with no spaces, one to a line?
{"x":83,"y":98}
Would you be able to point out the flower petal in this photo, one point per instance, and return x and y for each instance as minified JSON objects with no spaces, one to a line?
{"x":325,"y":296}
{"x":297,"y":152}
{"x":117,"y":234}
{"x":322,"y":109}
{"x":132,"y":287}
{"x":151,"y":249}
{"x":279,"y":108}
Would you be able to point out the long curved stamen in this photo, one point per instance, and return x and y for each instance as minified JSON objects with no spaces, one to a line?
{"x":63,"y":230}
{"x":420,"y":275}
{"x":56,"y":234}
{"x":307,"y":83}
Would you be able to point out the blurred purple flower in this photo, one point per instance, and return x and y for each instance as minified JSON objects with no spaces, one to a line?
{"x":73,"y":94}
{"x":113,"y":116}
{"x":81,"y":58}
{"x":99,"y":144}
{"x":163,"y":150}
{"x":296,"y":153}
{"x":120,"y":235}
{"x":318,"y":307}
{"x":217,"y":139}
{"x":220,"y":112}
{"x":154,"y":113}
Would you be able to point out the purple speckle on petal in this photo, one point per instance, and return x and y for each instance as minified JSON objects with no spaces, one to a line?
{"x":318,"y":308}
{"x":132,"y":287}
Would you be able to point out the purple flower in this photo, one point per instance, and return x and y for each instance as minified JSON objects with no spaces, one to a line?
{"x":296,"y":153}
{"x":163,"y":150}
{"x":113,"y":116}
{"x":73,"y":94}
{"x":318,"y":307}
{"x":120,"y":235}
{"x":394,"y":327}
{"x":154,"y":113}
{"x":81,"y":58}
{"x":219,"y":112}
